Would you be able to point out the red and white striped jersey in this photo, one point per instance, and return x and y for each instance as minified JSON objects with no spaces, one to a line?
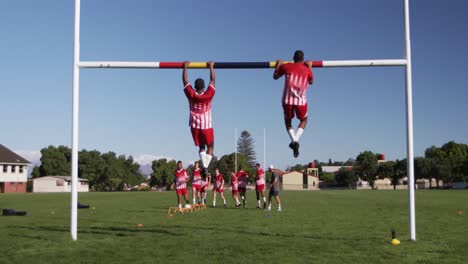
{"x":200,"y":107}
{"x":260,"y":178}
{"x":219,"y":181}
{"x":234,"y":182}
{"x":297,"y":78}
{"x":197,"y":179}
{"x":180,"y":178}
{"x":242,"y":178}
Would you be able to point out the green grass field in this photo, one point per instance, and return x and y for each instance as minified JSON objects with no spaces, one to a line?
{"x":314,"y":227}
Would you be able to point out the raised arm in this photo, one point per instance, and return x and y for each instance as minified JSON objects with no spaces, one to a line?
{"x":309,"y":64}
{"x":277,"y":74}
{"x":184,"y":73}
{"x":212,"y":73}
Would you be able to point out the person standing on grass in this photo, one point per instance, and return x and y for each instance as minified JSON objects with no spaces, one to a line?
{"x":235,"y":188}
{"x":274,"y":187}
{"x":298,"y":76}
{"x":200,"y":113}
{"x":196,"y":184}
{"x":260,"y":185}
{"x":180,"y":181}
{"x":218,"y":187}
{"x":242,"y":178}
{"x":205,"y":184}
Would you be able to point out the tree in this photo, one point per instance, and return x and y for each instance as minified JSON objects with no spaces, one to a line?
{"x":91,"y":166}
{"x":387,"y":170}
{"x":366,"y":166}
{"x":447,"y":162}
{"x":226,"y":165}
{"x":36,"y":172}
{"x":298,"y":167}
{"x":422,"y":169}
{"x":246,"y":147}
{"x":330,"y":162}
{"x":163,"y":173}
{"x":350,"y":162}
{"x":55,"y":161}
{"x":346,"y":176}
{"x":456,"y":155}
{"x":399,"y":171}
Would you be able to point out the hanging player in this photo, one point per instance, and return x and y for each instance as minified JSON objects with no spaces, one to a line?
{"x":298,"y":76}
{"x":200,"y":121}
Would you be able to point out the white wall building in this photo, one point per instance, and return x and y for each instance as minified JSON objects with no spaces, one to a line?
{"x":296,"y":180}
{"x":13,"y":171}
{"x":58,"y":184}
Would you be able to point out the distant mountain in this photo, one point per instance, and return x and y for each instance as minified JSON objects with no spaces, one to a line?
{"x":146,"y":170}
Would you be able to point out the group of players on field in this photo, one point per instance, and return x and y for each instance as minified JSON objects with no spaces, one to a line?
{"x":298,"y":76}
{"x":239,"y":184}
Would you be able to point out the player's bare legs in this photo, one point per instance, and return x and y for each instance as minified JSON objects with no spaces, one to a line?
{"x":224,"y":199}
{"x":214,"y":198}
{"x":294,"y":145}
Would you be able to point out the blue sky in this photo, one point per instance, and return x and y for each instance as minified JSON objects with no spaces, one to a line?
{"x":144,"y":112}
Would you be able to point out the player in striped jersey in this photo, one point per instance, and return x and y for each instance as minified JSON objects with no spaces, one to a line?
{"x":204,"y":186}
{"x":260,"y":185}
{"x":298,"y":76}
{"x":196,"y":183}
{"x":218,"y":187}
{"x":200,"y":121}
{"x":180,"y":181}
{"x":242,"y":178}
{"x":235,"y":188}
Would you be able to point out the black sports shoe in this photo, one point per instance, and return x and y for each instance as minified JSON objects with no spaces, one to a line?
{"x":225,"y":205}
{"x":203,"y":172}
{"x":296,"y":149}
{"x":264,"y":205}
{"x":291,"y":145}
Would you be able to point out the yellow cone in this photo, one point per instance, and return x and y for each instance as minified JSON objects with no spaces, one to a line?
{"x":395,"y":242}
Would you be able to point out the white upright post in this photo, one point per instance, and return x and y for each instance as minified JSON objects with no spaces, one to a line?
{"x":76,"y":92}
{"x":235,"y":150}
{"x":264,"y":151}
{"x":409,"y":128}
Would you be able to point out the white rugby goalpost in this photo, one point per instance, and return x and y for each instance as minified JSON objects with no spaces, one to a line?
{"x":77,"y":64}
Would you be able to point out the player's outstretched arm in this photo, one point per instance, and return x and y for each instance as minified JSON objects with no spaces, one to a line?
{"x":212,"y":73}
{"x":309,"y":64}
{"x":184,"y":73}
{"x":277,"y":74}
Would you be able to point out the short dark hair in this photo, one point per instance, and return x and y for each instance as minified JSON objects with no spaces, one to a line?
{"x":199,"y":84}
{"x":298,"y":56}
{"x":258,"y":164}
{"x":179,"y":162}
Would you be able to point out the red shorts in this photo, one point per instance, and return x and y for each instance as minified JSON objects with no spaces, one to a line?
{"x":202,"y":136}
{"x":197,"y":187}
{"x":218,"y":190}
{"x":234,"y":192}
{"x":242,"y":189}
{"x":299,"y":110}
{"x":182,"y":191}
{"x":260,"y":188}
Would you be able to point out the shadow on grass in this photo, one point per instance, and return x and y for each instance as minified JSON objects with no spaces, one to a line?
{"x":116,"y":231}
{"x":280,"y":235}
